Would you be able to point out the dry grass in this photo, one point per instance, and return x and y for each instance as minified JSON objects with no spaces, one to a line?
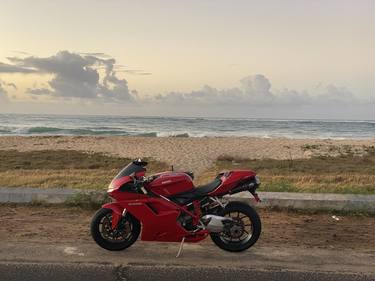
{"x":58,"y":159}
{"x":62,"y":168}
{"x":75,"y":178}
{"x":347,"y":173}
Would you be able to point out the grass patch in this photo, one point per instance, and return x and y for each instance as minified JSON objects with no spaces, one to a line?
{"x":63,"y":168}
{"x":346,"y":173}
{"x":80,"y":178}
{"x":88,"y":200}
{"x":58,"y":159}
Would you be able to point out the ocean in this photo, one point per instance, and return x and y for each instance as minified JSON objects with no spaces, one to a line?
{"x":52,"y":125}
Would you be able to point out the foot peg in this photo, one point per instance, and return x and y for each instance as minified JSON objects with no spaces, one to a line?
{"x":181,"y":247}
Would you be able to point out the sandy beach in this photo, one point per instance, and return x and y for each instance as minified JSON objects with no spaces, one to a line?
{"x":196,"y":154}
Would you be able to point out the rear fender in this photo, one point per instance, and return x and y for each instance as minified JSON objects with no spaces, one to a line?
{"x":117,"y":211}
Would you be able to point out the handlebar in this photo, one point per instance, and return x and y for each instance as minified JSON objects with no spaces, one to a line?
{"x":139,"y":183}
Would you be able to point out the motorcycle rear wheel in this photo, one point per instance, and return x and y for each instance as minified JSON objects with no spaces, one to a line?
{"x":244,"y":233}
{"x":125,"y":234}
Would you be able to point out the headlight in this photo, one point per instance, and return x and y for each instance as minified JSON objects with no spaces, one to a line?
{"x":110,"y":188}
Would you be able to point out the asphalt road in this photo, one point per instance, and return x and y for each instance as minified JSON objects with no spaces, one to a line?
{"x":157,"y":261}
{"x":99,"y":272}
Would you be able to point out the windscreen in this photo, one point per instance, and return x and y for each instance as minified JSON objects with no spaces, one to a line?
{"x":130,"y":169}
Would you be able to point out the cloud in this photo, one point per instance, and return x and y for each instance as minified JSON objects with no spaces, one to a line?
{"x":39,"y":91}
{"x":3,"y":94}
{"x":255,"y":90}
{"x":9,"y":68}
{"x":74,"y":76}
{"x":334,"y":94}
{"x":10,"y":85}
{"x":99,"y":55}
{"x":136,"y":71}
{"x":94,"y":77}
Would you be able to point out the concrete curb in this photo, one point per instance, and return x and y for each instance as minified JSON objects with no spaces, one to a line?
{"x":314,"y":201}
{"x":298,"y":201}
{"x":29,"y":194}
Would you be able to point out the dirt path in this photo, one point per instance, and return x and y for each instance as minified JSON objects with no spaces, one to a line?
{"x":280,"y":229}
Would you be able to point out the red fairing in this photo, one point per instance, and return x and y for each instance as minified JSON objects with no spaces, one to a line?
{"x":117,"y":210}
{"x":230,"y":180}
{"x":171,"y":183}
{"x":159,"y":219}
{"x":117,"y":183}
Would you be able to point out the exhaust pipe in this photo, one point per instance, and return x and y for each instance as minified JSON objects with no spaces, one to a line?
{"x":249,"y":185}
{"x":215,"y":223}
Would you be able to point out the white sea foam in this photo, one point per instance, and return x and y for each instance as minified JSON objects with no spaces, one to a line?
{"x":185,"y":127}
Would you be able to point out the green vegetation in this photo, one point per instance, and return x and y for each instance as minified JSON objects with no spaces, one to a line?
{"x":62,"y":168}
{"x":347,"y":173}
{"x":88,"y":200}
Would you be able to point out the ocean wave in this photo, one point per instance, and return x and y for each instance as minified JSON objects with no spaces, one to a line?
{"x":5,"y":131}
{"x":185,"y":127}
{"x":173,"y":134}
{"x":107,"y":131}
{"x":151,"y":134}
{"x":42,"y":130}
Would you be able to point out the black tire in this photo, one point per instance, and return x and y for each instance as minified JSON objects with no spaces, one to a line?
{"x":128,"y":223}
{"x":224,"y":241}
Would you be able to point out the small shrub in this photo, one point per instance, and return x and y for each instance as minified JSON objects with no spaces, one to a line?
{"x":89,"y":200}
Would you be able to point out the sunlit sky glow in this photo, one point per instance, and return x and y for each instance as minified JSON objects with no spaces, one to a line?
{"x":167,"y":51}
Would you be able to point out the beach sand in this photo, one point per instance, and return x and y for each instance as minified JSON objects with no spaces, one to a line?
{"x":196,"y":154}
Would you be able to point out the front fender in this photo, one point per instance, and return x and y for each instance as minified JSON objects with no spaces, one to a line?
{"x":117,"y":211}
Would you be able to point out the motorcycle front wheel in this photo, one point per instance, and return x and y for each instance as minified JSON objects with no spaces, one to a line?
{"x":243,"y":232}
{"x":120,"y":238}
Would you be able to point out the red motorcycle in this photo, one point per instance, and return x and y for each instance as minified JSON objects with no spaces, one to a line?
{"x":167,"y":207}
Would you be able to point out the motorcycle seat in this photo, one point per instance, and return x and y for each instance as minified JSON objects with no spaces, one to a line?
{"x":209,"y":187}
{"x":196,"y":193}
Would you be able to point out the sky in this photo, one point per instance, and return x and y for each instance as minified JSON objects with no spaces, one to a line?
{"x":274,"y":59}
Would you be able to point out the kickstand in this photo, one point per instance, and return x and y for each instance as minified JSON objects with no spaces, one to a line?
{"x":181,"y":246}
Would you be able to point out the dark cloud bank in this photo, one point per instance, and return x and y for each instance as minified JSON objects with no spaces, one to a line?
{"x":94,"y":77}
{"x":74,"y":76}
